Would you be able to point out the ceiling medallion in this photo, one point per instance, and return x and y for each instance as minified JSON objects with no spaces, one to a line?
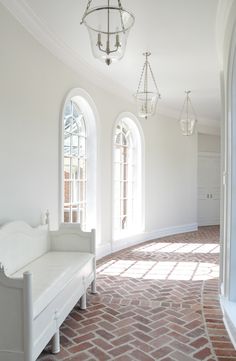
{"x":147,"y":94}
{"x":108,"y":28}
{"x":188,"y":117}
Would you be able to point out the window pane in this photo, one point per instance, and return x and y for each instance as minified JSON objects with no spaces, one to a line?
{"x":82,"y":148}
{"x":66,"y":167}
{"x":82,"y":169}
{"x":74,"y":166}
{"x":75,"y":215}
{"x":67,"y":139}
{"x":123,"y":172}
{"x":66,"y":215}
{"x":67,"y":192}
{"x":74,"y":145}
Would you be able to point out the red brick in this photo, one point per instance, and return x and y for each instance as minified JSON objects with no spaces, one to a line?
{"x":161,"y":352}
{"x":82,"y":338}
{"x":102,"y":344}
{"x":181,"y":347}
{"x":81,"y":347}
{"x":141,"y":356}
{"x":120,"y":350}
{"x":201,"y":341}
{"x":202,"y":355}
{"x":123,"y":339}
{"x":99,"y":354}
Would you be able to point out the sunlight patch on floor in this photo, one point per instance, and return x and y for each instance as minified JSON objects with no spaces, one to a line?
{"x":179,"y":248}
{"x":167,"y":270}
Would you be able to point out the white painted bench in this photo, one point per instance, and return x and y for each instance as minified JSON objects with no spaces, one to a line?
{"x":43,"y":274}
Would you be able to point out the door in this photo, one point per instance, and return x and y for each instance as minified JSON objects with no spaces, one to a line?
{"x":208,"y":189}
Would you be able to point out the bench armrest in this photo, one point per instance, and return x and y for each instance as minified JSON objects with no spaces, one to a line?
{"x":16,"y":315}
{"x":70,"y":237}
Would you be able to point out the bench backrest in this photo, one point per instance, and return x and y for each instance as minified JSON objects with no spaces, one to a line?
{"x":20,"y":244}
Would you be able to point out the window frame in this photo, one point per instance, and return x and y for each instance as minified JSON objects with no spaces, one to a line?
{"x":76,"y":207}
{"x":89,"y":111}
{"x":138,"y":189}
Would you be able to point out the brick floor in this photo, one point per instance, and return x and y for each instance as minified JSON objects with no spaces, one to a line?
{"x":155,"y":301}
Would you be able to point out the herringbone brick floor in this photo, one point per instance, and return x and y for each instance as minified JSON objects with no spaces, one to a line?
{"x":155,"y":301}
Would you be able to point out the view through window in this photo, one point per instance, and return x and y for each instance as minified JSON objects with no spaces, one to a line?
{"x":75,"y":165}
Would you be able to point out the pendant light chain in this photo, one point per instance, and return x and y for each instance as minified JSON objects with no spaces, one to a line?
{"x":187,"y":105}
{"x":146,"y":76}
{"x":141,"y":77}
{"x":121,"y":19}
{"x":188,"y":125}
{"x":145,"y":68}
{"x":193,"y":110}
{"x":108,"y":27}
{"x":120,"y":6}
{"x":86,"y":10}
{"x":182,"y":110}
{"x":154,"y":80}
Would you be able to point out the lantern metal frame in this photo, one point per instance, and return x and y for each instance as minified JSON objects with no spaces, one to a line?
{"x":108,"y":50}
{"x":146,"y":95}
{"x":188,"y":117}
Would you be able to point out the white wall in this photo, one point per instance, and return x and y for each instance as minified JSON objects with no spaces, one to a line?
{"x":208,"y":143}
{"x":171,"y":174}
{"x":33,"y":85}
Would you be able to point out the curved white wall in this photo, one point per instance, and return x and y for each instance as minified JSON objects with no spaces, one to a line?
{"x":32,"y":91}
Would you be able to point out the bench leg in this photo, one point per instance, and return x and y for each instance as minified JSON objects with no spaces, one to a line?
{"x":56,"y":342}
{"x":93,"y":287}
{"x":83,"y":304}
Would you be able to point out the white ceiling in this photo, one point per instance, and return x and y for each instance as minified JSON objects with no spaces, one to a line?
{"x":179,"y":33}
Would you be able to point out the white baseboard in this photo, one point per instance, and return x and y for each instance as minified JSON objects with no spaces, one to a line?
{"x":229,"y":318}
{"x":164,"y":232}
{"x":119,"y":244}
{"x":103,"y":250}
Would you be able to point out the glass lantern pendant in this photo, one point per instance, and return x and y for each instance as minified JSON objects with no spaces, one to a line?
{"x":108,"y":26}
{"x":147,"y":94}
{"x":188,"y":117}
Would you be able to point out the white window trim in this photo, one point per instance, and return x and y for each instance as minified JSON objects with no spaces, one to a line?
{"x":88,"y":108}
{"x":141,"y":184}
{"x":228,"y":222}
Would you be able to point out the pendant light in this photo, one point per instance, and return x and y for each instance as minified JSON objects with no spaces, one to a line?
{"x":188,"y":117}
{"x":147,"y":93}
{"x":108,"y":28}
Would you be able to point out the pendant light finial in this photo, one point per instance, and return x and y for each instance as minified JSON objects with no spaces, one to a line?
{"x":147,"y":93}
{"x":108,"y":28}
{"x":188,"y":118}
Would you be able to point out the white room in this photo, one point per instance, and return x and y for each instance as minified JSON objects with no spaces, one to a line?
{"x":176,"y":196}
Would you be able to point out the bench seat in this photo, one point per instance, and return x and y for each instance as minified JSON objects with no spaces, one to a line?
{"x":52,"y":272}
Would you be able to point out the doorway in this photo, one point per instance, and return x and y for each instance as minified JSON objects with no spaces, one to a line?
{"x":208,"y":180}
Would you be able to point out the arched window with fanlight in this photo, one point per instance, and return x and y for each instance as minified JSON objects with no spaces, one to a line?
{"x":127,"y":177}
{"x":75,"y":165}
{"x":78,"y":193}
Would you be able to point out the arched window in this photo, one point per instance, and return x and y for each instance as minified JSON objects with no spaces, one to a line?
{"x":79,"y":156}
{"x":127,"y":194}
{"x":75,"y":165}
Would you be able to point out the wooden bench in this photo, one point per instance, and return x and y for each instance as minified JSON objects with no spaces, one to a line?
{"x":43,"y":274}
